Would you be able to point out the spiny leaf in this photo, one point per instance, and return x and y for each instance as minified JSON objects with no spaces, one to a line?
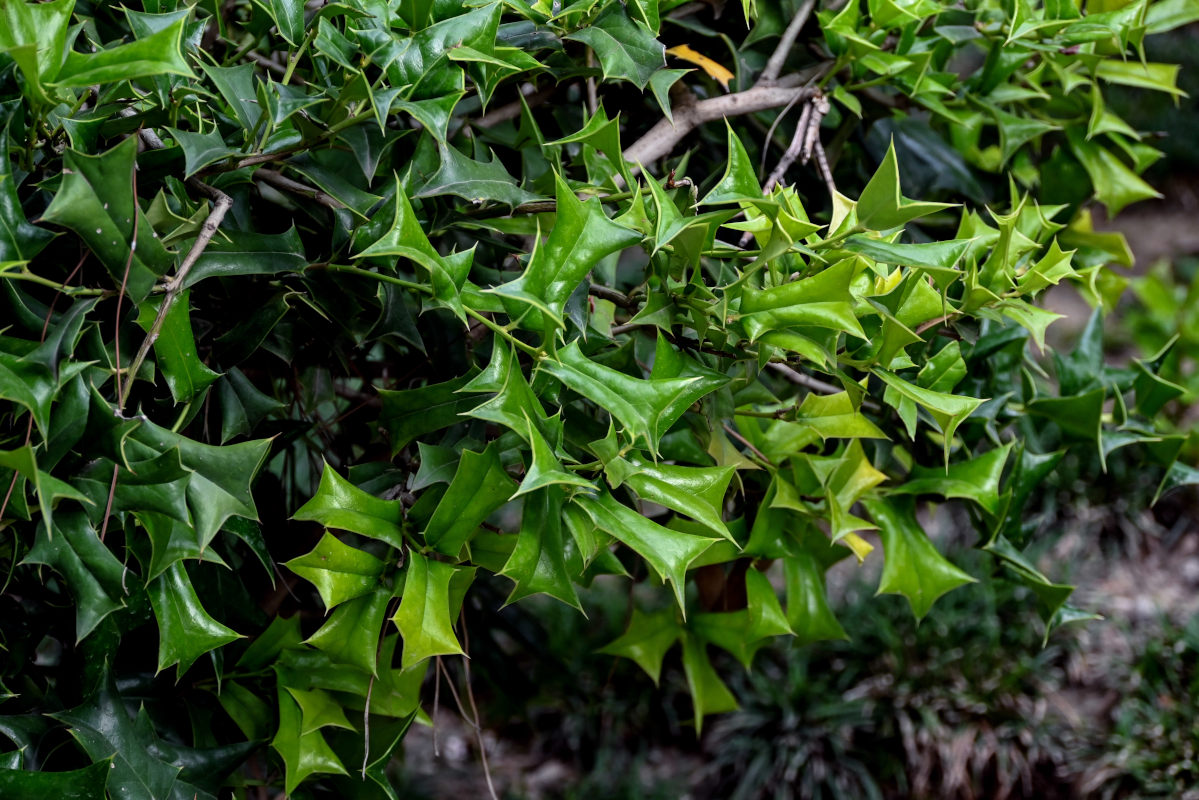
{"x":424,"y":613}
{"x":646,"y":408}
{"x":185,"y":629}
{"x":913,"y":567}
{"x":338,"y":571}
{"x":342,"y":505}
{"x":668,"y":552}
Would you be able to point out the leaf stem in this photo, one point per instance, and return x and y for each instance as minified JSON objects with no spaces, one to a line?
{"x":295,"y":57}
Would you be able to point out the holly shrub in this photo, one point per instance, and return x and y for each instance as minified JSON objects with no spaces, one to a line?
{"x":316,"y":314}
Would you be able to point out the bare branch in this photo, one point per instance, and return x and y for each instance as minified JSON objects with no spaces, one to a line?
{"x":806,"y":381}
{"x":775,"y":65}
{"x":619,"y":298}
{"x":662,"y":138}
{"x":512,"y":110}
{"x":222,"y":203}
{"x":281,"y":181}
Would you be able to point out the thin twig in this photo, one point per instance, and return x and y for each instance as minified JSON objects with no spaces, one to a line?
{"x":775,"y":65}
{"x":222,"y":203}
{"x":592,"y":94}
{"x":470,"y":695}
{"x":606,"y":293}
{"x":366,"y":726}
{"x":806,"y":381}
{"x":436,"y":702}
{"x":825,"y":172}
{"x":793,"y":150}
{"x":512,"y":110}
{"x":662,"y":138}
{"x":281,"y":181}
{"x":770,"y":136}
{"x":733,"y":432}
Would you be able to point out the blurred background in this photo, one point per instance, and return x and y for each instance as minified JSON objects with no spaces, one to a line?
{"x":975,"y":702}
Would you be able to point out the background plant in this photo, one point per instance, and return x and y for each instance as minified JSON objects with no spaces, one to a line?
{"x":373,"y":290}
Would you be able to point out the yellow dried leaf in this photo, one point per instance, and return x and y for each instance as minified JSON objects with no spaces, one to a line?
{"x":714,"y":69}
{"x":860,"y":547}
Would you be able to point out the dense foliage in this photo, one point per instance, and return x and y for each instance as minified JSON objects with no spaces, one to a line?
{"x":319,"y":316}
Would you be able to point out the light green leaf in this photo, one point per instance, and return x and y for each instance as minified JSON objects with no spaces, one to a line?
{"x":947,"y":410}
{"x":912,"y":567}
{"x":303,"y":754}
{"x":342,"y":505}
{"x":157,"y":54}
{"x":647,"y":639}
{"x":697,"y":492}
{"x":351,"y":633}
{"x":976,"y":479}
{"x":668,"y":552}
{"x":581,"y":237}
{"x":338,"y":571}
{"x":407,"y":239}
{"x":709,"y":695}
{"x":480,"y":486}
{"x":537,"y":563}
{"x":646,"y":408}
{"x":881,"y":206}
{"x":740,"y":181}
{"x":1116,"y":186}
{"x":424,"y":613}
{"x":318,"y":709}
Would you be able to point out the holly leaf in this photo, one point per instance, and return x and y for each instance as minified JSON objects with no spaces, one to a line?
{"x":19,"y":240}
{"x":185,"y":629}
{"x":808,"y":611}
{"x":537,"y":564}
{"x":668,"y":552}
{"x":646,"y":640}
{"x":137,"y":767}
{"x":342,"y":505}
{"x":626,"y":48}
{"x":480,"y":486}
{"x":475,"y":181}
{"x":947,"y":410}
{"x":424,"y":613}
{"x":740,"y":181}
{"x":881,"y":207}
{"x":78,"y":784}
{"x":289,"y":18}
{"x":407,"y":239}
{"x":95,"y":576}
{"x":303,"y":754}
{"x":339,"y":572}
{"x":976,"y":479}
{"x":646,"y":408}
{"x":581,"y":237}
{"x":709,"y":694}
{"x":912,"y":567}
{"x":157,"y":54}
{"x":351,"y":634}
{"x":175,"y":348}
{"x":96,"y":201}
{"x":697,"y":492}
{"x":410,"y":413}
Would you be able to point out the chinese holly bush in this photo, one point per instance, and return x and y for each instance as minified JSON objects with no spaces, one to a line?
{"x":317,"y":315}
